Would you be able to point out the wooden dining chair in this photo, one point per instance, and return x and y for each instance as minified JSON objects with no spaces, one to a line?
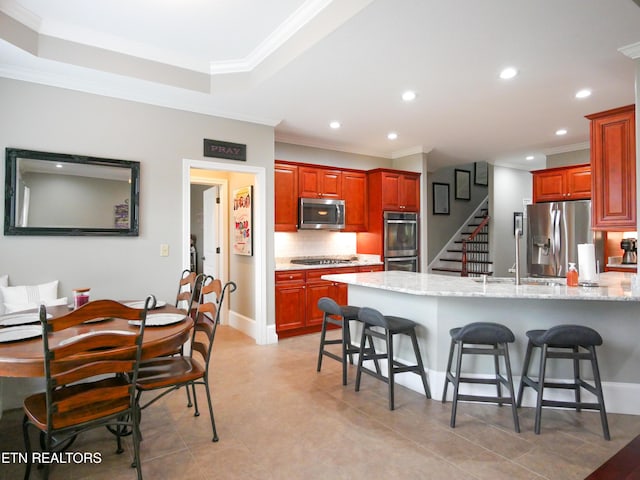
{"x":188,"y":370}
{"x":187,"y":290}
{"x":90,"y":380}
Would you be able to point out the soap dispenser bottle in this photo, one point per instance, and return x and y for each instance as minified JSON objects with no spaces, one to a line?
{"x":572,"y":276}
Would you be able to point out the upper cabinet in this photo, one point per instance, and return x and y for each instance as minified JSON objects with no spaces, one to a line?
{"x":354,"y":188}
{"x":286,"y":197}
{"x":395,"y":190}
{"x":613,"y":162}
{"x":318,"y":182}
{"x":297,"y":180}
{"x":563,"y":183}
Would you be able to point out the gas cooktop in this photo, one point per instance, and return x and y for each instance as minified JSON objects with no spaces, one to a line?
{"x":319,"y":261}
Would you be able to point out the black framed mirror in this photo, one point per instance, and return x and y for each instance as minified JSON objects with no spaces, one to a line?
{"x":60,"y":194}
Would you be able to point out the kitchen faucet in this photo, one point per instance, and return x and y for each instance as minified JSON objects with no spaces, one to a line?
{"x":516,"y":265}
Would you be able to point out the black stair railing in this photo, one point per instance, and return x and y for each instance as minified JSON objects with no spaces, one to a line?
{"x":473,"y":251}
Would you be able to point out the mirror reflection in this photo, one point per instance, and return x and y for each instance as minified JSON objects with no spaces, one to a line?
{"x":51,"y":194}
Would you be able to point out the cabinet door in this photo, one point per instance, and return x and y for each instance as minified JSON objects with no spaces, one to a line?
{"x":286,"y":198}
{"x":549,"y":186}
{"x":320,"y":183}
{"x":409,"y":197}
{"x":290,"y":306}
{"x":390,"y":191}
{"x":613,"y":163}
{"x":290,"y":300}
{"x":354,"y":186}
{"x":579,"y":183}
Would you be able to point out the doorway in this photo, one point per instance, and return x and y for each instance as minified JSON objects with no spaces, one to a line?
{"x":251,"y":273}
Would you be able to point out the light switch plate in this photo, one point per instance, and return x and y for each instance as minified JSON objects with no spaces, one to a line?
{"x":164,"y":249}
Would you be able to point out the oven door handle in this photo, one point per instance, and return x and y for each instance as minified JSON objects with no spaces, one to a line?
{"x":401,"y":221}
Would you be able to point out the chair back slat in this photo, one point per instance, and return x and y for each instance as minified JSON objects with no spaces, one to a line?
{"x":89,"y":397}
{"x":83,"y":374}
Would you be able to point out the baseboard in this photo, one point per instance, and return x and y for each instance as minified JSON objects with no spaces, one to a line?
{"x":248,"y":326}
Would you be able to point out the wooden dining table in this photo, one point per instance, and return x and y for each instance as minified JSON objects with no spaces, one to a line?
{"x":25,"y":358}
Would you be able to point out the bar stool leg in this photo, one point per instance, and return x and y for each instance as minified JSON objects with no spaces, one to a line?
{"x":323,"y":333}
{"x":514,"y":408}
{"x":576,"y":376}
{"x":496,"y":364}
{"x":346,"y":337}
{"x":543,"y":365}
{"x":363,"y":340}
{"x":390,"y":368}
{"x":600,"y":396}
{"x":456,"y":385}
{"x":525,"y":372}
{"x":448,"y":372}
{"x":423,"y":375}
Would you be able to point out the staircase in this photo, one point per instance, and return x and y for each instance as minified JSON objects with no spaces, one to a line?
{"x":467,"y":253}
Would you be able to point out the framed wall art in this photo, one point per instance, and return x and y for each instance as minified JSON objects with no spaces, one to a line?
{"x":441,"y":198}
{"x":463,"y":184}
{"x":480,"y":173}
{"x":243,"y":221}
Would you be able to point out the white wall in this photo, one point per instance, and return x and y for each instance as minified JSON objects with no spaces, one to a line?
{"x":508,"y":189}
{"x":569,"y":158}
{"x":56,"y":120}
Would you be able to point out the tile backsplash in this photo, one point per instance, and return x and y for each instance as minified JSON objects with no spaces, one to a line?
{"x":309,"y":243}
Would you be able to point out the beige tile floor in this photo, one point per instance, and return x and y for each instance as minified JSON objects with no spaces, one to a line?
{"x":278,"y":418}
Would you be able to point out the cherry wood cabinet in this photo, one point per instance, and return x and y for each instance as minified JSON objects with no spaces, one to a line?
{"x":562,"y":183}
{"x":354,"y":189}
{"x":315,"y":182}
{"x":389,"y":190}
{"x":291,"y":300}
{"x":395,"y":190}
{"x":613,"y":163}
{"x":297,"y":295}
{"x":318,"y":288}
{"x":286,"y":197}
{"x":371,"y":268}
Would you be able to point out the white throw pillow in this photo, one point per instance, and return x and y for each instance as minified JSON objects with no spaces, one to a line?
{"x":26,"y":296}
{"x":4,"y":281}
{"x":10,"y":308}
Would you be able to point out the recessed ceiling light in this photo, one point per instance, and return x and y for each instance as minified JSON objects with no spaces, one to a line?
{"x":392,"y":135}
{"x":58,"y":165}
{"x":584,"y":93}
{"x":335,"y":125}
{"x":409,"y":96}
{"x":562,"y":131}
{"x":508,"y":73}
{"x":530,"y":157}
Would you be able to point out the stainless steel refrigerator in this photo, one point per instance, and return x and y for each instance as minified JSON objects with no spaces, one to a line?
{"x":554,"y":231}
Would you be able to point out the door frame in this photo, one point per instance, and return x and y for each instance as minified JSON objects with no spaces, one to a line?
{"x":259,"y":331}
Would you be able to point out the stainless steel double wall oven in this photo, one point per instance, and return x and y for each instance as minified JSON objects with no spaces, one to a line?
{"x":401,"y":241}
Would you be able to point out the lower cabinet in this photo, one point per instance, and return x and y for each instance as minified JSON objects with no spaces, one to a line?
{"x":297,"y":295}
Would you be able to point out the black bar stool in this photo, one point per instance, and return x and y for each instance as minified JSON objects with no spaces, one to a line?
{"x":487,"y":339}
{"x":340,"y":316}
{"x":565,"y":341}
{"x":391,"y":326}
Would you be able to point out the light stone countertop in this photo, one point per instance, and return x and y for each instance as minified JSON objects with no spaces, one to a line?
{"x":613,"y":286}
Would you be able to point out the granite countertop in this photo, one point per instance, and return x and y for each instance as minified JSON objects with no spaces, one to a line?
{"x":612,"y":286}
{"x":284,"y":264}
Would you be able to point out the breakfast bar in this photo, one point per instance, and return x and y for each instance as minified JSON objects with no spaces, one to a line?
{"x":439,"y":302}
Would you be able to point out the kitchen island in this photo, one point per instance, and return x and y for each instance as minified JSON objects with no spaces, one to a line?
{"x":439,"y":302}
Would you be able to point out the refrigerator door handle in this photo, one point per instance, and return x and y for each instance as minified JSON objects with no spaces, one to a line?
{"x":557,"y":248}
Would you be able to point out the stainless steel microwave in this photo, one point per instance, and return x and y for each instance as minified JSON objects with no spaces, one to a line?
{"x":317,"y":213}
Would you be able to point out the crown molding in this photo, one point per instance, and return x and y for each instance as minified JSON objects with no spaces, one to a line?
{"x":631,"y":51}
{"x":138,"y":91}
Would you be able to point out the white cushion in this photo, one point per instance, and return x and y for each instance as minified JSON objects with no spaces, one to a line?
{"x":28,"y":296}
{"x":10,"y":308}
{"x":4,"y":281}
